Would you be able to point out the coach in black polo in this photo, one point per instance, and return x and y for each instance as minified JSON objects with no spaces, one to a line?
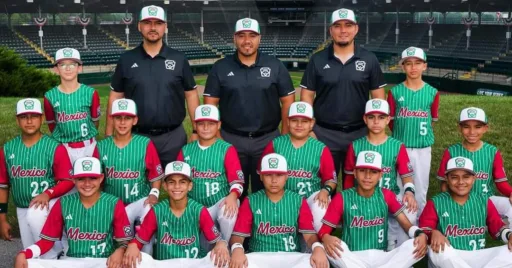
{"x":342,"y":77}
{"x":254,"y":92}
{"x":159,"y":80}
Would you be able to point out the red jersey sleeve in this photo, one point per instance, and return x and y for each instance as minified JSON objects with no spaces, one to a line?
{"x":49,"y":114}
{"x":121,"y":224}
{"x":52,"y":229}
{"x":4,"y":176}
{"x":327,"y":169}
{"x":442,"y":166}
{"x":332,"y":215}
{"x":392,"y":109}
{"x":403,"y":164}
{"x":267,"y":150}
{"x":180,"y":156}
{"x":95,"y":106}
{"x":305,"y":219}
{"x":233,"y":168}
{"x":394,"y":206}
{"x":434,"y":109}
{"x":44,"y":246}
{"x":348,"y":168}
{"x":207,"y":226}
{"x":495,"y":224}
{"x":243,"y":225}
{"x":153,"y":166}
{"x":96,"y":153}
{"x":61,"y":163}
{"x":428,"y":219}
{"x":146,"y":230}
{"x":498,"y":169}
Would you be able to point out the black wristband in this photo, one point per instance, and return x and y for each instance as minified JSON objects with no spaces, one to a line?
{"x":418,"y":233}
{"x":328,"y":188}
{"x":3,"y":208}
{"x":409,"y":189}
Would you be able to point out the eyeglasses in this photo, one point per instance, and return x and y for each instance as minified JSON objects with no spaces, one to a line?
{"x":70,"y":65}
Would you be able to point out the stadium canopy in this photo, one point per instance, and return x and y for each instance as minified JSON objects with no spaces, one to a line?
{"x":117,"y":6}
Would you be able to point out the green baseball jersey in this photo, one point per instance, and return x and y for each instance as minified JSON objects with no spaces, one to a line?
{"x":71,"y":116}
{"x":130,"y":170}
{"x":213,"y":169}
{"x":364,"y":220}
{"x":90,"y":231}
{"x":273,"y":226}
{"x":487,"y":163}
{"x":309,"y":166}
{"x":412,"y":113}
{"x":32,"y":170}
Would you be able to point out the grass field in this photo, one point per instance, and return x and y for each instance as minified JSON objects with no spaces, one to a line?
{"x":445,"y":130}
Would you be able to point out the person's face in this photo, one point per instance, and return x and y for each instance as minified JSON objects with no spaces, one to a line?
{"x":177,"y":186}
{"x":29,"y":123}
{"x":460,"y":182}
{"x":473,"y":131}
{"x":274,"y":183}
{"x":247,"y":42}
{"x":207,"y":130}
{"x":123,"y":124}
{"x":376,"y":122}
{"x":367,"y":179}
{"x":343,"y":32}
{"x":152,"y":30}
{"x":88,"y":186}
{"x":68,"y":70}
{"x":414,"y":68}
{"x":300,"y":127}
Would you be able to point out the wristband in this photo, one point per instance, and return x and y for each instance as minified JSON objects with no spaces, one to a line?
{"x":3,"y":208}
{"x":328,"y":188}
{"x":409,"y":187}
{"x":238,"y":187}
{"x":317,"y":244}
{"x":236,"y":245}
{"x":36,"y":251}
{"x":412,"y":231}
{"x":505,"y":235}
{"x":155,"y":192}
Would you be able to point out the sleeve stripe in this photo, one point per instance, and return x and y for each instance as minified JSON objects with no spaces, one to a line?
{"x":307,"y":231}
{"x":96,"y":119}
{"x":441,"y":178}
{"x":501,"y":180}
{"x":236,"y":182}
{"x":54,"y":239}
{"x":111,"y":87}
{"x":291,"y":92}
{"x":206,"y":94}
{"x":435,"y":119}
{"x":331,"y":180}
{"x":123,"y":239}
{"x":383,"y":85}
{"x":303,"y":86}
{"x":141,"y":240}
{"x":407,"y":175}
{"x":4,"y":185}
{"x":214,"y":240}
{"x":328,"y":223}
{"x":348,"y":172}
{"x":157,"y":178}
{"x":50,"y":122}
{"x":399,"y":211}
{"x":241,"y":234}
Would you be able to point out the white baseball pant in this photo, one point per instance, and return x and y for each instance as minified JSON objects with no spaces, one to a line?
{"x":224,"y":224}
{"x":400,"y":257}
{"x":278,"y":260}
{"x":503,"y":207}
{"x":396,"y":235}
{"x":317,"y":211}
{"x":496,"y":257}
{"x":149,"y":262}
{"x":75,"y":153}
{"x":138,"y":210}
{"x":420,"y":160}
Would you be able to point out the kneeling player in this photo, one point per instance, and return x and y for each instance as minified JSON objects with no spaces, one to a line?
{"x":273,"y":218}
{"x":92,"y":220}
{"x":216,"y":173}
{"x":177,"y":223}
{"x":363,"y":211}
{"x":457,"y":223}
{"x":311,"y":171}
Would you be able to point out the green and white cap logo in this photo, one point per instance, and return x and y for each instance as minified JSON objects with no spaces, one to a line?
{"x":67,"y":54}
{"x":178,"y":167}
{"x":369,"y":160}
{"x":460,"y":163}
{"x":369,"y":157}
{"x":153,"y":12}
{"x":124,"y":107}
{"x":473,"y":113}
{"x":207,"y":112}
{"x":247,"y":24}
{"x":413,"y":52}
{"x":300,"y":109}
{"x":28,"y":106}
{"x":376,"y":106}
{"x":273,"y":164}
{"x":87,"y":167}
{"x":343,"y":14}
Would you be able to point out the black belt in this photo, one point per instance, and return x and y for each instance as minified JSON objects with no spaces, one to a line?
{"x":346,"y":129}
{"x":254,"y":134}
{"x":153,"y":131}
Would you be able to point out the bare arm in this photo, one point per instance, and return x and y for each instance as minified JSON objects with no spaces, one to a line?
{"x":379,"y":93}
{"x":286,"y":102}
{"x":5,"y":227}
{"x":109,"y":128}
{"x":307,"y":95}
{"x":192,"y":99}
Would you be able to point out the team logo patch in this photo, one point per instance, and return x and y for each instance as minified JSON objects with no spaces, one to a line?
{"x":205,"y":111}
{"x":360,"y":65}
{"x":472,"y":113}
{"x":159,"y":169}
{"x":301,"y":108}
{"x":265,"y":72}
{"x":87,"y":165}
{"x":98,"y":110}
{"x":376,"y":104}
{"x":246,"y":23}
{"x":343,"y":13}
{"x":369,"y":158}
{"x":152,"y":11}
{"x":68,"y":52}
{"x":170,"y":64}
{"x":409,"y":166}
{"x":215,"y":230}
{"x":29,"y":104}
{"x":240,"y":175}
{"x":177,"y":166}
{"x":127,"y":231}
{"x":122,"y":105}
{"x":411,"y":51}
{"x":460,"y":162}
{"x":273,"y":162}
{"x":334,"y":175}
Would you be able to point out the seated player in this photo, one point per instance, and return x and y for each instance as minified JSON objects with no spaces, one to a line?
{"x":177,"y":223}
{"x":273,"y":218}
{"x":486,"y":158}
{"x":216,"y":173}
{"x":397,"y":173}
{"x":311,"y":171}
{"x":130,"y":163}
{"x":457,"y":222}
{"x":363,"y":211}
{"x":37,"y":169}
{"x":95,"y":223}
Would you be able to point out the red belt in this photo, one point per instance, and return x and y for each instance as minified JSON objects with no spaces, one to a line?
{"x":80,"y":144}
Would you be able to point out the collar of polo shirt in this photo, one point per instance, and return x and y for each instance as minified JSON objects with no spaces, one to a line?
{"x":357,"y":51}
{"x":162,"y":53}
{"x":256,"y":63}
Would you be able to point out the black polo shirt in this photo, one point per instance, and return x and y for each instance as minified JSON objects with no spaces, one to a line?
{"x":342,"y":90}
{"x":249,"y":96}
{"x":157,"y":85}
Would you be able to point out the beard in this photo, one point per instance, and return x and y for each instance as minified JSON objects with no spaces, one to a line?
{"x":344,"y":44}
{"x":153,"y":41}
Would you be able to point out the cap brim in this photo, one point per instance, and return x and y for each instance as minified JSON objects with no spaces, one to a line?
{"x":353,"y":21}
{"x":206,"y":119}
{"x":86,"y":175}
{"x":73,"y":59}
{"x":300,"y":116}
{"x":472,"y":119}
{"x":266,"y":172}
{"x":124,"y":113}
{"x":411,"y":57}
{"x":31,"y":112}
{"x":153,"y":18}
{"x":465,"y":169}
{"x":376,"y":112}
{"x":175,"y":173}
{"x":245,"y":30}
{"x":368,"y":167}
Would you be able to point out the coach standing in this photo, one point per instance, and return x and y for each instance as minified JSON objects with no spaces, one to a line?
{"x":159,"y":80}
{"x":342,"y":76}
{"x":254,"y":92}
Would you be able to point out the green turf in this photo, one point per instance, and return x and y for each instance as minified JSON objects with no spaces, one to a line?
{"x":445,"y":129}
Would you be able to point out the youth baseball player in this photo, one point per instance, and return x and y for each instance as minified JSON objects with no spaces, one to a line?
{"x":177,"y":223}
{"x":72,"y":110}
{"x":311,"y":171}
{"x":414,"y":107}
{"x":216,"y":172}
{"x":273,"y":218}
{"x":397,"y":173}
{"x":363,"y":213}
{"x":457,"y":222}
{"x":92,"y":220}
{"x":37,"y":169}
{"x":486,"y":158}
